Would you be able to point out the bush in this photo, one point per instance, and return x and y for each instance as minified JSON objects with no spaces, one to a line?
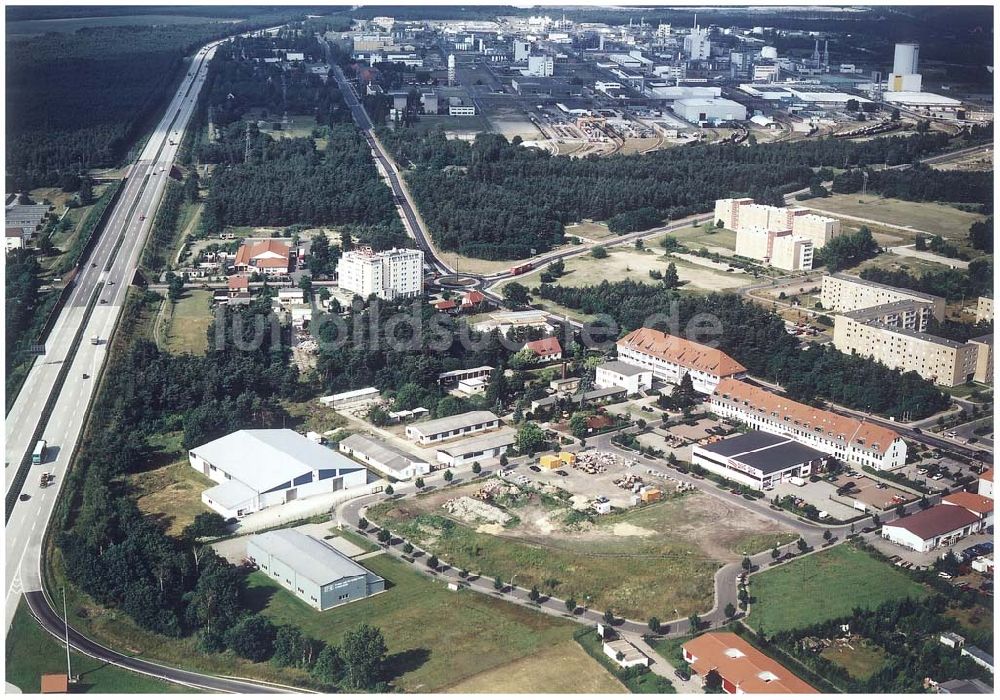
{"x":252,"y":638}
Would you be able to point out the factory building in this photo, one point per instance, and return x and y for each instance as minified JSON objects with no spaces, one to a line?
{"x":384,"y":457}
{"x":452,"y":427}
{"x":709,"y":109}
{"x":477,"y":449}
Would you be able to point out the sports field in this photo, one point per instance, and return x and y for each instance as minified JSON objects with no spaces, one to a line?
{"x":825,"y":586}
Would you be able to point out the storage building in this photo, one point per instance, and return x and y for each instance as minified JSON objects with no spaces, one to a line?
{"x":476,"y":449}
{"x":312,"y":570}
{"x":938,"y":526}
{"x":384,"y":457}
{"x":452,"y":427}
{"x":621,"y":374}
{"x":709,"y":109}
{"x":758,"y":459}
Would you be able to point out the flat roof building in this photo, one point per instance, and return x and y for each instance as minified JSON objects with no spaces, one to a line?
{"x":621,"y":374}
{"x":709,"y":109}
{"x":452,"y":427}
{"x":843,"y":293}
{"x":847,"y":439}
{"x":353,"y":398}
{"x":384,"y":457}
{"x":312,"y":570}
{"x":476,"y":449}
{"x":256,"y":469}
{"x":758,"y":459}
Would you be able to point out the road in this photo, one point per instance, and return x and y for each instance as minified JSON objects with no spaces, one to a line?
{"x":106,"y":275}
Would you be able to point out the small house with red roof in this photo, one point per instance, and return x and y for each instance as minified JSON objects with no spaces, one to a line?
{"x":547,"y":349}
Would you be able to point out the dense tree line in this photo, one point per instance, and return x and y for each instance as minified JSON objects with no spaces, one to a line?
{"x":79,"y":100}
{"x":952,"y":284}
{"x":920,"y":184}
{"x":757,"y":339}
{"x":288,"y":182}
{"x":21,"y":284}
{"x":981,"y":235}
{"x":847,"y":250}
{"x":495,"y":199}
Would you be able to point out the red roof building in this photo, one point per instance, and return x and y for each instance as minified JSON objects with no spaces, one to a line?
{"x":238,"y":285}
{"x":446,"y":305}
{"x":986,"y":483}
{"x":972,"y":502}
{"x":547,"y":349}
{"x":670,"y":357}
{"x":742,"y":668}
{"x":473,"y":298}
{"x":268,"y":257}
{"x":938,"y":526}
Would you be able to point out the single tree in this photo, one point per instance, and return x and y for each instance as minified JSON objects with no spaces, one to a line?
{"x":730,"y":611}
{"x":609,"y":617}
{"x":329,"y":666}
{"x":534,"y":595}
{"x":407,"y":548}
{"x":802,"y":545}
{"x":419,"y":483}
{"x":252,"y":638}
{"x":746,"y":563}
{"x":362,"y":523}
{"x":571,"y":604}
{"x":447,"y":476}
{"x":383,"y":535}
{"x":497,"y":584}
{"x":432,"y":562}
{"x":694,"y":622}
{"x":363,"y":651}
{"x":476,"y":467}
{"x":827,"y":535}
{"x":389,"y":490}
{"x":654,"y":625}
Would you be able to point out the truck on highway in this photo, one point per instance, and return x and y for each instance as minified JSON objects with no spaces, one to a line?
{"x":38,"y":455}
{"x":45,"y":479}
{"x":95,"y":340}
{"x":520,"y":269}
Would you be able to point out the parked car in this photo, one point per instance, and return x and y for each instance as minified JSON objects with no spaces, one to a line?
{"x":684,"y":676}
{"x":534,"y":468}
{"x":944,"y":575}
{"x":562,"y":472}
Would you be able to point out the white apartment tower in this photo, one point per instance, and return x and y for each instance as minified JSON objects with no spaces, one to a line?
{"x":390,"y":274}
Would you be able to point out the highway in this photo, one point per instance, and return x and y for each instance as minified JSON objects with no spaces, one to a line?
{"x":103,"y":278}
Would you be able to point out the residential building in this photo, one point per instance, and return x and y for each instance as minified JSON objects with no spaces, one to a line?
{"x":312,"y":570}
{"x":986,"y":483}
{"x":758,"y":459}
{"x":546,"y":349}
{"x":941,"y":360}
{"x":742,"y":668}
{"x":477,"y":449}
{"x":848,"y":439}
{"x":984,"y":309}
{"x":265,"y":257}
{"x":351,"y":399}
{"x":452,"y":427}
{"x":979,"y":657}
{"x":389,"y":274}
{"x":238,"y":286}
{"x":670,"y":357}
{"x":984,"y":358}
{"x":980,"y":506}
{"x":256,"y":469}
{"x":728,"y":211}
{"x":13,"y":239}
{"x":384,"y":457}
{"x":950,"y":639}
{"x":621,"y":374}
{"x":938,"y":526}
{"x":844,"y":293}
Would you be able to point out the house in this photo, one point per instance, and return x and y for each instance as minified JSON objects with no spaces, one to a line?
{"x":13,"y":239}
{"x":670,"y":357}
{"x":741,"y":667}
{"x":986,"y":483}
{"x":621,"y":374}
{"x":291,"y":295}
{"x":452,"y":427}
{"x":311,"y":569}
{"x":974,"y":503}
{"x":938,"y":526}
{"x":473,"y":300}
{"x":351,"y":399}
{"x":388,"y":274}
{"x":848,"y":439}
{"x":758,"y":459}
{"x":477,"y":449}
{"x":446,"y":305}
{"x":54,"y":683}
{"x":238,"y":286}
{"x":547,"y":349}
{"x":256,"y":469}
{"x":624,"y":653}
{"x":384,"y":457}
{"x":265,"y":257}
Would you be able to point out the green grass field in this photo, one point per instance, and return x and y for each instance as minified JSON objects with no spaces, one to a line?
{"x":922,"y":216}
{"x":435,"y":637}
{"x":187,"y":329}
{"x":31,"y":652}
{"x":860,"y":662}
{"x":824,"y":586}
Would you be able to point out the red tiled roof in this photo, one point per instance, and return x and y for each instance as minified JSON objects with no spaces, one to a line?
{"x":237,"y":282}
{"x":742,"y":665}
{"x":681,"y":351}
{"x":987,"y":476}
{"x":936,"y":520}
{"x":474,"y":297}
{"x":249,"y":251}
{"x":855,"y":431}
{"x":980,"y":505}
{"x":445,"y":305}
{"x":545,"y":346}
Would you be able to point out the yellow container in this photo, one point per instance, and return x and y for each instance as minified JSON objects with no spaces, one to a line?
{"x":567,"y":458}
{"x":549,"y":462}
{"x":651,"y":495}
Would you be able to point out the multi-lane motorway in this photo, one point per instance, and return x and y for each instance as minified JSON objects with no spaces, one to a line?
{"x":101,"y":284}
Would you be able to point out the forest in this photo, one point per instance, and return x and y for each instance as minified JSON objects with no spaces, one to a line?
{"x":952,"y":284}
{"x":757,"y":339}
{"x":921,"y":184}
{"x":497,"y":200}
{"x":80,"y":101}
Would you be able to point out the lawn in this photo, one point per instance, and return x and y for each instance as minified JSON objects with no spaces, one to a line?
{"x":171,"y":494}
{"x":354,"y":538}
{"x":695,"y":237}
{"x":31,"y":652}
{"x":188,"y":323}
{"x":976,"y":618}
{"x":644,"y":563}
{"x":309,"y":415}
{"x":824,"y":586}
{"x":436,"y":637}
{"x":922,"y":216}
{"x":860,"y":659}
{"x":562,"y":668}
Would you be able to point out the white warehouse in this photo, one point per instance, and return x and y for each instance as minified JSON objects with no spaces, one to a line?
{"x":384,"y":457}
{"x":452,"y":427}
{"x":709,"y":109}
{"x":256,"y":469}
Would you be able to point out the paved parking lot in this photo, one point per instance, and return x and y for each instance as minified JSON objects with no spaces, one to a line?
{"x":818,"y":494}
{"x":873,"y":493}
{"x":695,"y":432}
{"x":235,"y":549}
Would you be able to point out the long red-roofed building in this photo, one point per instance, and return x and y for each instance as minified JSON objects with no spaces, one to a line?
{"x":670,"y":357}
{"x":742,"y":667}
{"x":268,"y":257}
{"x":848,"y":439}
